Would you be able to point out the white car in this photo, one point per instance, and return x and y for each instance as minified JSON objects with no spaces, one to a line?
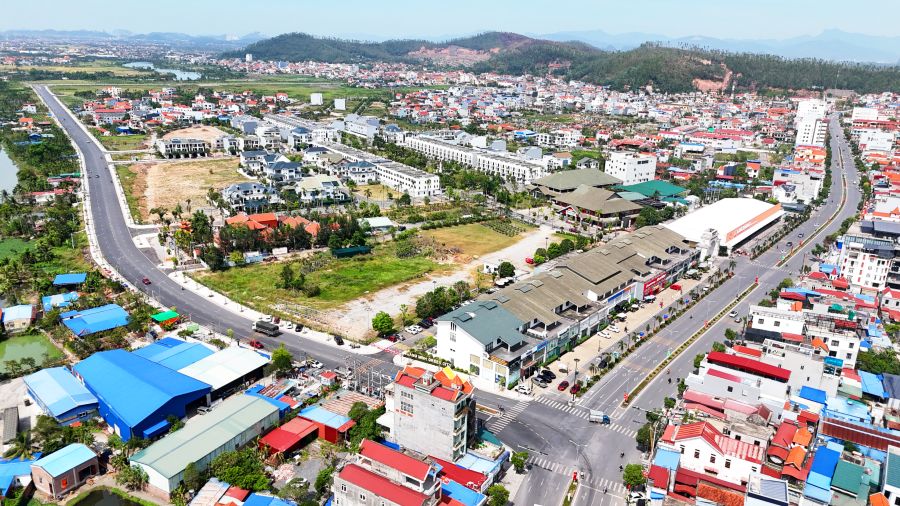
{"x":414,"y":329}
{"x":613,"y":329}
{"x":605,"y":334}
{"x":289,"y":325}
{"x":732,"y":314}
{"x":315,"y":364}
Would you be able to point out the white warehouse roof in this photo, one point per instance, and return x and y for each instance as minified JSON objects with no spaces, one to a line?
{"x":735,"y":219}
{"x":225,"y":366}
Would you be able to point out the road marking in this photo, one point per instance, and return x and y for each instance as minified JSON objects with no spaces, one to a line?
{"x":499,"y":423}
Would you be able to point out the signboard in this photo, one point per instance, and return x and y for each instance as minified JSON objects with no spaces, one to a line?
{"x":653,"y":285}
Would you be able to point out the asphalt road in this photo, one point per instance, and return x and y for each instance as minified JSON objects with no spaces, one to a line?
{"x":115,"y":241}
{"x":559,"y":434}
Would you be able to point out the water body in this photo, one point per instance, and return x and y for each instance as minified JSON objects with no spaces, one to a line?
{"x":103,"y":497}
{"x":9,"y":173}
{"x":180,"y":75}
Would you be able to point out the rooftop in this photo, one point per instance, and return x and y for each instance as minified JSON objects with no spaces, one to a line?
{"x":224,"y":366}
{"x":58,"y":391}
{"x":64,"y":459}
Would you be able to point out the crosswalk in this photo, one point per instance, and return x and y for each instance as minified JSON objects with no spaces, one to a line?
{"x":584,"y":413}
{"x":597,"y":483}
{"x":496,"y":424}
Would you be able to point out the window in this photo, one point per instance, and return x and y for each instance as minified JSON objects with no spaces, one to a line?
{"x":343,"y":487}
{"x":761,"y":320}
{"x":682,"y":449}
{"x":731,"y":389}
{"x":777,"y":324}
{"x":405,"y":406}
{"x":696,"y":454}
{"x":406,"y":395}
{"x":849,"y":356}
{"x":362,"y":497}
{"x":712,"y":459}
{"x":727,"y":463}
{"x":452,"y":326}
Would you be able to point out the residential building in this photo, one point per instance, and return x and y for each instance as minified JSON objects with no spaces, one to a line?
{"x":732,"y":376}
{"x":503,"y":164}
{"x":402,"y":178}
{"x":18,"y":318}
{"x":319,"y":189}
{"x":706,"y":450}
{"x":182,"y":148}
{"x":381,"y":476}
{"x":596,"y":206}
{"x":434,"y":413}
{"x":891,"y":484}
{"x":631,"y":168}
{"x":360,"y":172}
{"x":866,"y":260}
{"x":361,"y":126}
{"x":250,"y":196}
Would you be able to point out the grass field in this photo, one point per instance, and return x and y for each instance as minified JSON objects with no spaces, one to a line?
{"x":127,"y":178}
{"x":123,"y":142}
{"x":472,"y":239}
{"x":340,"y":281}
{"x":379,"y":192}
{"x":11,"y":246}
{"x":95,"y":66}
{"x":36,"y":346}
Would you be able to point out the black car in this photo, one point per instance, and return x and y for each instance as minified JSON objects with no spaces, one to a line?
{"x":338,"y":340}
{"x":547,"y":375}
{"x":425,"y":324}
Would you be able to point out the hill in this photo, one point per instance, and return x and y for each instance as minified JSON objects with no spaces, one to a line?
{"x":666,"y":68}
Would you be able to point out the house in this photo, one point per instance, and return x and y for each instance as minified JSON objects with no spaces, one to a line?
{"x":332,"y":427}
{"x":64,"y":470}
{"x":379,"y":475}
{"x":597,"y":206}
{"x":631,"y":168}
{"x":182,"y":148}
{"x":706,"y":450}
{"x":18,"y":318}
{"x":98,"y":319}
{"x":360,"y":172}
{"x":569,"y":180}
{"x":70,"y":279}
{"x":250,"y":196}
{"x":319,"y":189}
{"x":378,"y":224}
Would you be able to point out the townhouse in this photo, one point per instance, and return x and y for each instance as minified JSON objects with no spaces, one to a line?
{"x":400,"y":177}
{"x":182,"y":148}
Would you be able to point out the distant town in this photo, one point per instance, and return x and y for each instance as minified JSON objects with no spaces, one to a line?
{"x":420,"y":278}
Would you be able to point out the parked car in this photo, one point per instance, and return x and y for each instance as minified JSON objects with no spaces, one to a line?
{"x":289,"y":325}
{"x":315,"y":364}
{"x":563,"y":385}
{"x":575,"y":388}
{"x":529,"y":260}
{"x":393,"y":338}
{"x":338,"y":340}
{"x":256,"y":344}
{"x":539,"y":381}
{"x":547,"y":373}
{"x":202,"y":410}
{"x":145,"y":280}
{"x":414,"y":329}
{"x":732,"y":314}
{"x":425,"y":324}
{"x":613,"y":329}
{"x":605,"y":334}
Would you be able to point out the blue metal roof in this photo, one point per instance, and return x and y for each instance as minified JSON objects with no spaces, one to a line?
{"x":20,"y":312}
{"x":265,"y":500}
{"x":58,"y":391}
{"x":824,"y":462}
{"x":58,"y":300}
{"x":667,"y":458}
{"x":12,"y":469}
{"x":133,"y":386}
{"x":462,"y":494}
{"x":66,"y":459}
{"x":93,"y":320}
{"x":813,"y":394}
{"x":321,"y":415}
{"x":75,"y":278}
{"x":871,"y":384}
{"x":174,"y":353}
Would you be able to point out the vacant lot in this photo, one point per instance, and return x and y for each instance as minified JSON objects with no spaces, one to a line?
{"x":376,"y":191}
{"x":124,"y":142}
{"x":473,"y":239}
{"x":36,"y":346}
{"x":165,"y":184}
{"x":95,"y":66}
{"x":204,"y":132}
{"x":340,"y":281}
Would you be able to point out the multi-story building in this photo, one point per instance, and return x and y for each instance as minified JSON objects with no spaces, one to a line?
{"x":361,"y":126}
{"x":505,"y":165}
{"x":631,"y":168}
{"x":381,"y":476}
{"x":866,"y":260}
{"x":250,"y":196}
{"x":403,"y":178}
{"x":182,"y":148}
{"x":706,"y":450}
{"x":433,"y":413}
{"x":811,"y":122}
{"x":731,"y":376}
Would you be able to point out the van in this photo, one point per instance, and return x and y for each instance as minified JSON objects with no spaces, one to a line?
{"x":202,"y":410}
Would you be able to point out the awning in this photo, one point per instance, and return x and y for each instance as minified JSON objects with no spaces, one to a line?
{"x":156,"y":429}
{"x":817,"y":342}
{"x":164,"y":316}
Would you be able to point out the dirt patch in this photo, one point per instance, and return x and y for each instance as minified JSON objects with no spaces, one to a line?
{"x":206,"y":133}
{"x":165,"y":184}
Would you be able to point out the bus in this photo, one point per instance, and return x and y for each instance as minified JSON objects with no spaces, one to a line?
{"x":267,"y":328}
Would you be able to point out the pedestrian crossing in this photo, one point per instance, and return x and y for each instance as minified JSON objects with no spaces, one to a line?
{"x":584,"y":413}
{"x":496,"y":424}
{"x":597,"y":483}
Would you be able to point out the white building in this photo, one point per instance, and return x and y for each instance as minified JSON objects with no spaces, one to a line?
{"x":340,"y":104}
{"x":751,"y":381}
{"x":864,"y":113}
{"x":707,"y":451}
{"x":400,"y":177}
{"x":361,"y":126}
{"x":811,"y":131}
{"x":505,"y":165}
{"x":315,"y":99}
{"x":776,"y":320}
{"x":631,"y":168}
{"x":865,"y":261}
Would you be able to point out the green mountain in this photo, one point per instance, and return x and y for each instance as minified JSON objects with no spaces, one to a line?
{"x":666,"y":68}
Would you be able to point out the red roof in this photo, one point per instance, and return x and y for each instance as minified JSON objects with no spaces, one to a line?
{"x":392,"y":458}
{"x":716,"y":439}
{"x":785,"y":434}
{"x":660,"y":476}
{"x":749,"y":365}
{"x":788,"y":336}
{"x":280,"y":440}
{"x":747,"y":350}
{"x":858,"y":434}
{"x":471,"y":479}
{"x":724,"y":375}
{"x":300,"y":426}
{"x":381,"y":486}
{"x":237,"y":493}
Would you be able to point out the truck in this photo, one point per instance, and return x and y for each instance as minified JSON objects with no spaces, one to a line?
{"x":598,"y":417}
{"x":267,"y":328}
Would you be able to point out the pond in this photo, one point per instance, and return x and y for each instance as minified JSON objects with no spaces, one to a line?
{"x":180,"y":75}
{"x":103,"y":497}
{"x":9,"y":173}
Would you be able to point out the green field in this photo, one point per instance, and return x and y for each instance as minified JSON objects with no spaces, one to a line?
{"x":127,"y":178}
{"x":36,"y":346}
{"x":123,"y":142}
{"x":340,"y":281}
{"x":11,"y":246}
{"x":472,"y":239}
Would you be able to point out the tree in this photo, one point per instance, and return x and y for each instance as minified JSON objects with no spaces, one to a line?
{"x":282,"y":361}
{"x":719,"y":347}
{"x":633,"y":475}
{"x":518,"y":460}
{"x":497,"y":495}
{"x":405,"y":199}
{"x":506,"y":270}
{"x":404,"y":314}
{"x":669,"y":402}
{"x":698,"y":359}
{"x":132,"y":477}
{"x":323,"y":481}
{"x":192,"y":478}
{"x":383,"y":323}
{"x":730,"y":334}
{"x":878,"y":362}
{"x":644,"y":436}
{"x":22,"y":447}
{"x":241,"y":468}
{"x":358,"y":410}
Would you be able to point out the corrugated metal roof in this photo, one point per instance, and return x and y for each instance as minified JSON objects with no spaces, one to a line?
{"x":58,"y":391}
{"x":225,"y":366}
{"x":65,"y":459}
{"x":203,"y":435}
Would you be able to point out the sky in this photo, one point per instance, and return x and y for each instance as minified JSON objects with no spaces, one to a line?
{"x":433,"y":19}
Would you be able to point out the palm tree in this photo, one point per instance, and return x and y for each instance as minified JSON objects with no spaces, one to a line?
{"x":21,"y":447}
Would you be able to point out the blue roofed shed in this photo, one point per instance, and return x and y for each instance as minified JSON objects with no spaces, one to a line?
{"x":58,"y":300}
{"x":871,"y":384}
{"x":462,"y":494}
{"x":71,"y":279}
{"x":18,"y":318}
{"x":265,"y":500}
{"x":173,"y":353}
{"x":65,"y":469}
{"x":97,"y":319}
{"x":61,"y":395}
{"x":813,"y":394}
{"x":135,"y":394}
{"x":668,"y":459}
{"x":13,"y":472}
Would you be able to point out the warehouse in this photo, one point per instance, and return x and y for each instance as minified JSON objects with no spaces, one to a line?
{"x":60,"y":395}
{"x":734,"y":221}
{"x":231,"y":425}
{"x":174,"y":353}
{"x":97,"y":319}
{"x":227,"y":369}
{"x":136,"y":395}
